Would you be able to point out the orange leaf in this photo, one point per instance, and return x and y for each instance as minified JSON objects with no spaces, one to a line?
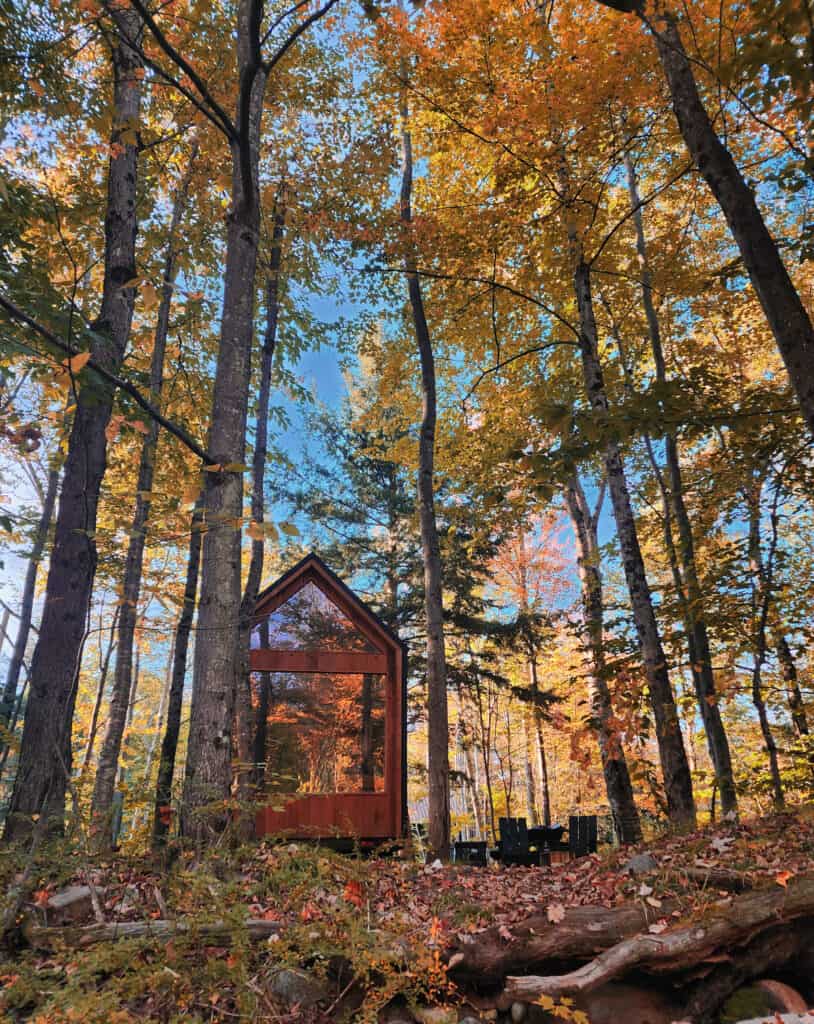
{"x":782,"y":877}
{"x":75,"y":363}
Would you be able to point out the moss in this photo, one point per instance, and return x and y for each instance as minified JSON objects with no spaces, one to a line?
{"x":743,"y":1004}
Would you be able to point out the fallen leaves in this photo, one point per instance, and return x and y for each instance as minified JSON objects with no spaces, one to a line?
{"x":555,"y":912}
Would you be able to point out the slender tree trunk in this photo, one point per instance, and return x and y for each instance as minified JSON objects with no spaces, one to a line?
{"x":614,"y":764}
{"x":27,"y":604}
{"x":675,"y":770}
{"x":121,"y":698}
{"x":45,"y":753}
{"x":245,"y":727}
{"x":761,"y":600}
{"x":539,"y":742}
{"x":789,"y":670}
{"x":175,"y":697}
{"x":528,"y":744}
{"x":217,"y":651}
{"x":484,"y":720}
{"x":690,"y":595}
{"x":100,"y":690}
{"x":785,"y":312}
{"x":437,"y":712}
{"x":467,"y":742}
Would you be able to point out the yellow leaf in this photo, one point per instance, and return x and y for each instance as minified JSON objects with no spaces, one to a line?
{"x":256,"y":531}
{"x":214,"y":468}
{"x":75,"y":363}
{"x":289,"y":529}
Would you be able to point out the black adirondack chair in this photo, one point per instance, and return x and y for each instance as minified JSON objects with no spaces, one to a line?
{"x":514,"y":846}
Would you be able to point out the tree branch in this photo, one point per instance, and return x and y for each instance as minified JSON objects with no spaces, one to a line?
{"x":118,"y":382}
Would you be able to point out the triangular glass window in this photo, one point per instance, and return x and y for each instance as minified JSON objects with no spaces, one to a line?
{"x":309,"y":621}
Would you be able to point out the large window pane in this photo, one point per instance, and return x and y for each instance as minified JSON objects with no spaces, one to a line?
{"x":324,"y":733}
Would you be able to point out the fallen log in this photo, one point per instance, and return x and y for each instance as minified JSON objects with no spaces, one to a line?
{"x":677,"y":949}
{"x":485,"y":959}
{"x":38,"y":936}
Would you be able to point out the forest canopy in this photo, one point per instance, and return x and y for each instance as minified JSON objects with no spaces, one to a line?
{"x":502,"y":309}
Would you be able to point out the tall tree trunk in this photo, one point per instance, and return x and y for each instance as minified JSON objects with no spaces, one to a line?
{"x":245,"y":727}
{"x":437,"y":712}
{"x":104,"y":665}
{"x":673,"y":757}
{"x":761,"y":601}
{"x":121,"y":697}
{"x":528,"y":747}
{"x":614,"y":764}
{"x":539,"y":741}
{"x":785,"y":312}
{"x":467,"y":743}
{"x":45,"y":753}
{"x":27,"y":604}
{"x":208,"y":777}
{"x":175,"y":697}
{"x":690,"y":595}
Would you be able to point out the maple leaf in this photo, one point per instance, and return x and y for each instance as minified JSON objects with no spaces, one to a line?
{"x":41,"y":897}
{"x":555,"y":913}
{"x":353,"y":893}
{"x":782,"y":877}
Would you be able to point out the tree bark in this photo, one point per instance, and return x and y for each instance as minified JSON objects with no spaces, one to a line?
{"x":761,"y":599}
{"x":784,"y":310}
{"x":789,"y":670}
{"x":690,"y":595}
{"x":539,"y":742}
{"x":437,"y":711}
{"x":245,"y":728}
{"x":217,"y":653}
{"x":673,"y":757}
{"x":27,"y":603}
{"x":123,"y":679}
{"x":45,"y":753}
{"x":175,"y":698}
{"x":100,"y":689}
{"x":614,"y":764}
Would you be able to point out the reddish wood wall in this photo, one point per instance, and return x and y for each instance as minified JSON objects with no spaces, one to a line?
{"x":356,"y":815}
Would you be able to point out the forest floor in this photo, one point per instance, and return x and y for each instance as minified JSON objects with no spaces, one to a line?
{"x":222,"y":937}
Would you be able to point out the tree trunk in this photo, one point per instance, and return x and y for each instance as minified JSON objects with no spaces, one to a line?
{"x":690,"y":595}
{"x":785,"y":312}
{"x":123,"y":680}
{"x":437,"y":712}
{"x":539,"y":743}
{"x":27,"y":603}
{"x":100,"y":689}
{"x":244,"y":726}
{"x":614,"y":764}
{"x":528,"y":744}
{"x":761,"y":599}
{"x":175,"y":698}
{"x":789,"y":670}
{"x":675,"y":770}
{"x":467,"y":741}
{"x":208,"y":778}
{"x":45,"y":753}
{"x":121,"y":697}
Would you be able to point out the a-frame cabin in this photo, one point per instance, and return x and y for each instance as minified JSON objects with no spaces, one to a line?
{"x":331,"y":682}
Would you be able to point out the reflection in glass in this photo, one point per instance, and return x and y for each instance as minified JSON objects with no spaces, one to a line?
{"x":310,"y":621}
{"x":323,"y":733}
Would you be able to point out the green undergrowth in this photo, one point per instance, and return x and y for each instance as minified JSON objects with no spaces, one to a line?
{"x":321,"y":900}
